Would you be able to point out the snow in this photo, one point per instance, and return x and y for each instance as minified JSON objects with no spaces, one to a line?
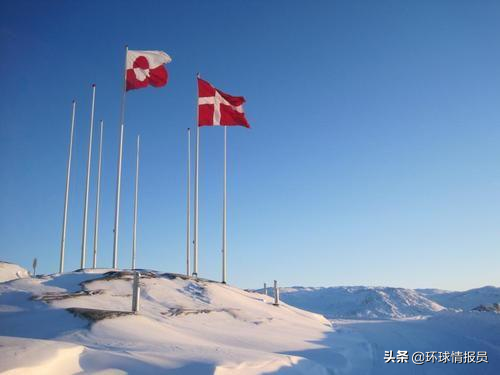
{"x":360,"y":302}
{"x":10,"y":271}
{"x":467,"y":300}
{"x":80,"y":322}
{"x":184,"y":326}
{"x":357,"y":347}
{"x":39,"y":356}
{"x":423,"y":320}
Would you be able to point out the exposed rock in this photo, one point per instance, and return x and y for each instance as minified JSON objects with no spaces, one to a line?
{"x":95,"y":315}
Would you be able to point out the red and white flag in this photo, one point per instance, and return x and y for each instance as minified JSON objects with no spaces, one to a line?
{"x":146,"y":68}
{"x":216,"y":108}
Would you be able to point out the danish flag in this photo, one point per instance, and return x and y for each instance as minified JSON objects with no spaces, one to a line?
{"x":216,"y":108}
{"x":146,"y":68}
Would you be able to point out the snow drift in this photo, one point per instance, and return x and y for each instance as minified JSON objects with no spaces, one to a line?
{"x":81,"y":322}
{"x":10,"y":271}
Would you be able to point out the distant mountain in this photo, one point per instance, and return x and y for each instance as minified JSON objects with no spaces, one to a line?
{"x":432,"y":291}
{"x":361,"y":302}
{"x":488,"y":308}
{"x":10,"y":271}
{"x":467,"y":300}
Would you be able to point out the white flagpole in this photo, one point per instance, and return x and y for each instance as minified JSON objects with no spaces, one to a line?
{"x":188,"y":228}
{"x":134,"y":237}
{"x":96,"y":221}
{"x":119,"y":174}
{"x":87,"y":183}
{"x":196,"y":171}
{"x":224,"y":244}
{"x":68,"y":172}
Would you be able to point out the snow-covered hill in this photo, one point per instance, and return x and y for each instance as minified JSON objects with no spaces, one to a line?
{"x":467,"y":300}
{"x":361,"y":302}
{"x":81,"y":321}
{"x":10,"y":271}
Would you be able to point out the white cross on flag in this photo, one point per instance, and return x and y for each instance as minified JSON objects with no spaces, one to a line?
{"x":146,"y":68}
{"x":216,"y":108}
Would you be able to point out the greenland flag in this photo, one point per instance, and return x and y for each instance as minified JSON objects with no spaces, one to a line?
{"x":216,"y":108}
{"x":146,"y":68}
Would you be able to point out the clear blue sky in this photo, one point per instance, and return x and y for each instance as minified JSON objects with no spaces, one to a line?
{"x":373,"y":158}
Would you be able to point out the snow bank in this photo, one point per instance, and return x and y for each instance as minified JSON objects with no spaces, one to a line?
{"x":296,"y":364}
{"x":10,"y":271}
{"x":184,"y":325}
{"x":80,"y":322}
{"x":21,"y":356}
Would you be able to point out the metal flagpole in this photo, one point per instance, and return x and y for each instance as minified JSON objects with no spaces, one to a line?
{"x":96,"y":221}
{"x":119,"y":174}
{"x":224,"y":248}
{"x":134,"y":236}
{"x":188,"y":228}
{"x":87,"y":183}
{"x":68,"y":172}
{"x":196,"y":171}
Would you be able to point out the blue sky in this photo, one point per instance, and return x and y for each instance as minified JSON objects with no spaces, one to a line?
{"x":373,"y":158}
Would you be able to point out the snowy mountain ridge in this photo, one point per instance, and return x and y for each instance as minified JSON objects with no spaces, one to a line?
{"x":466,"y":300}
{"x":366,"y":302}
{"x":360,"y":302}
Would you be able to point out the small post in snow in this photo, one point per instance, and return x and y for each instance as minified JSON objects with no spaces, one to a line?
{"x":276,"y":294}
{"x":136,"y":292}
{"x":35,"y":262}
{"x":265,"y":289}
